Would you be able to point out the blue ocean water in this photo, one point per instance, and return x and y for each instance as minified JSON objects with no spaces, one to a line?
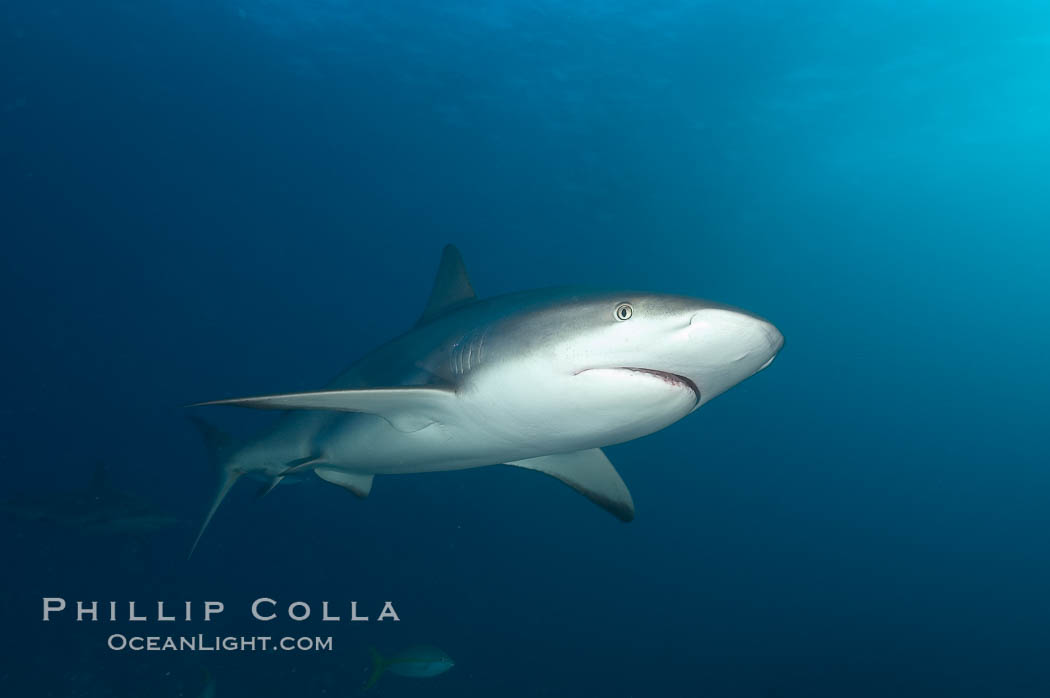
{"x":220,"y":198}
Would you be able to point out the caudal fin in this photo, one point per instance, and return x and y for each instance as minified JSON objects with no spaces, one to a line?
{"x":378,"y":667}
{"x":220,"y":447}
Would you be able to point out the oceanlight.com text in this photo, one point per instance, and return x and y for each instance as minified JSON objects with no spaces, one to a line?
{"x":217,"y":643}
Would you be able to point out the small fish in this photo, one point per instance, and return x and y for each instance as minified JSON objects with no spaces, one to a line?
{"x":418,"y":662}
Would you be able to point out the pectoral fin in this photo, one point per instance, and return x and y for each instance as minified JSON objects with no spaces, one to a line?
{"x":591,"y":474}
{"x":406,"y":409}
{"x":359,"y":484}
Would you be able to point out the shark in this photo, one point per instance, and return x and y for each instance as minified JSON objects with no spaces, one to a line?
{"x":95,"y":509}
{"x":540,"y":380}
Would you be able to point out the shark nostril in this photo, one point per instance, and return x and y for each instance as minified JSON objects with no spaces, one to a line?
{"x":773,"y":338}
{"x":776,"y":340}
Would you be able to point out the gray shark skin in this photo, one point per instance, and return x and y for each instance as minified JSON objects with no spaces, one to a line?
{"x":540,"y":380}
{"x":97,"y":509}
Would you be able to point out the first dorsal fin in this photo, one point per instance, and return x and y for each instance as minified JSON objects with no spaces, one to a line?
{"x":452,"y":287}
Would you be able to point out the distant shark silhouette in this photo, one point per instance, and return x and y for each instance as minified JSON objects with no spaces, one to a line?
{"x":96,"y":509}
{"x":540,"y":380}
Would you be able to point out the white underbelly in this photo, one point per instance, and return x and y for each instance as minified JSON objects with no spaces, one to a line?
{"x":489,"y":427}
{"x":364,"y":443}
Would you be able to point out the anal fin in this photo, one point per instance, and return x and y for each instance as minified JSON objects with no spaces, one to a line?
{"x":300,"y":464}
{"x":591,"y":474}
{"x":358,"y":483}
{"x":267,"y":487}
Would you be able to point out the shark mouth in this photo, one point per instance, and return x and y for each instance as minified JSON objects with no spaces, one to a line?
{"x":672,"y":379}
{"x":669,"y":378}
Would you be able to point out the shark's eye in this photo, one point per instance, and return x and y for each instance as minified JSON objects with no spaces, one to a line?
{"x":624,"y":311}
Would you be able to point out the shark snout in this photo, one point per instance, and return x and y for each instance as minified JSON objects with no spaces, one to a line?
{"x":774,"y":340}
{"x":739,"y":325}
{"x":727,"y":346}
{"x":773,"y":336}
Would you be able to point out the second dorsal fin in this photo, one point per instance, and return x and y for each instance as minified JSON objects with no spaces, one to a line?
{"x":452,"y":287}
